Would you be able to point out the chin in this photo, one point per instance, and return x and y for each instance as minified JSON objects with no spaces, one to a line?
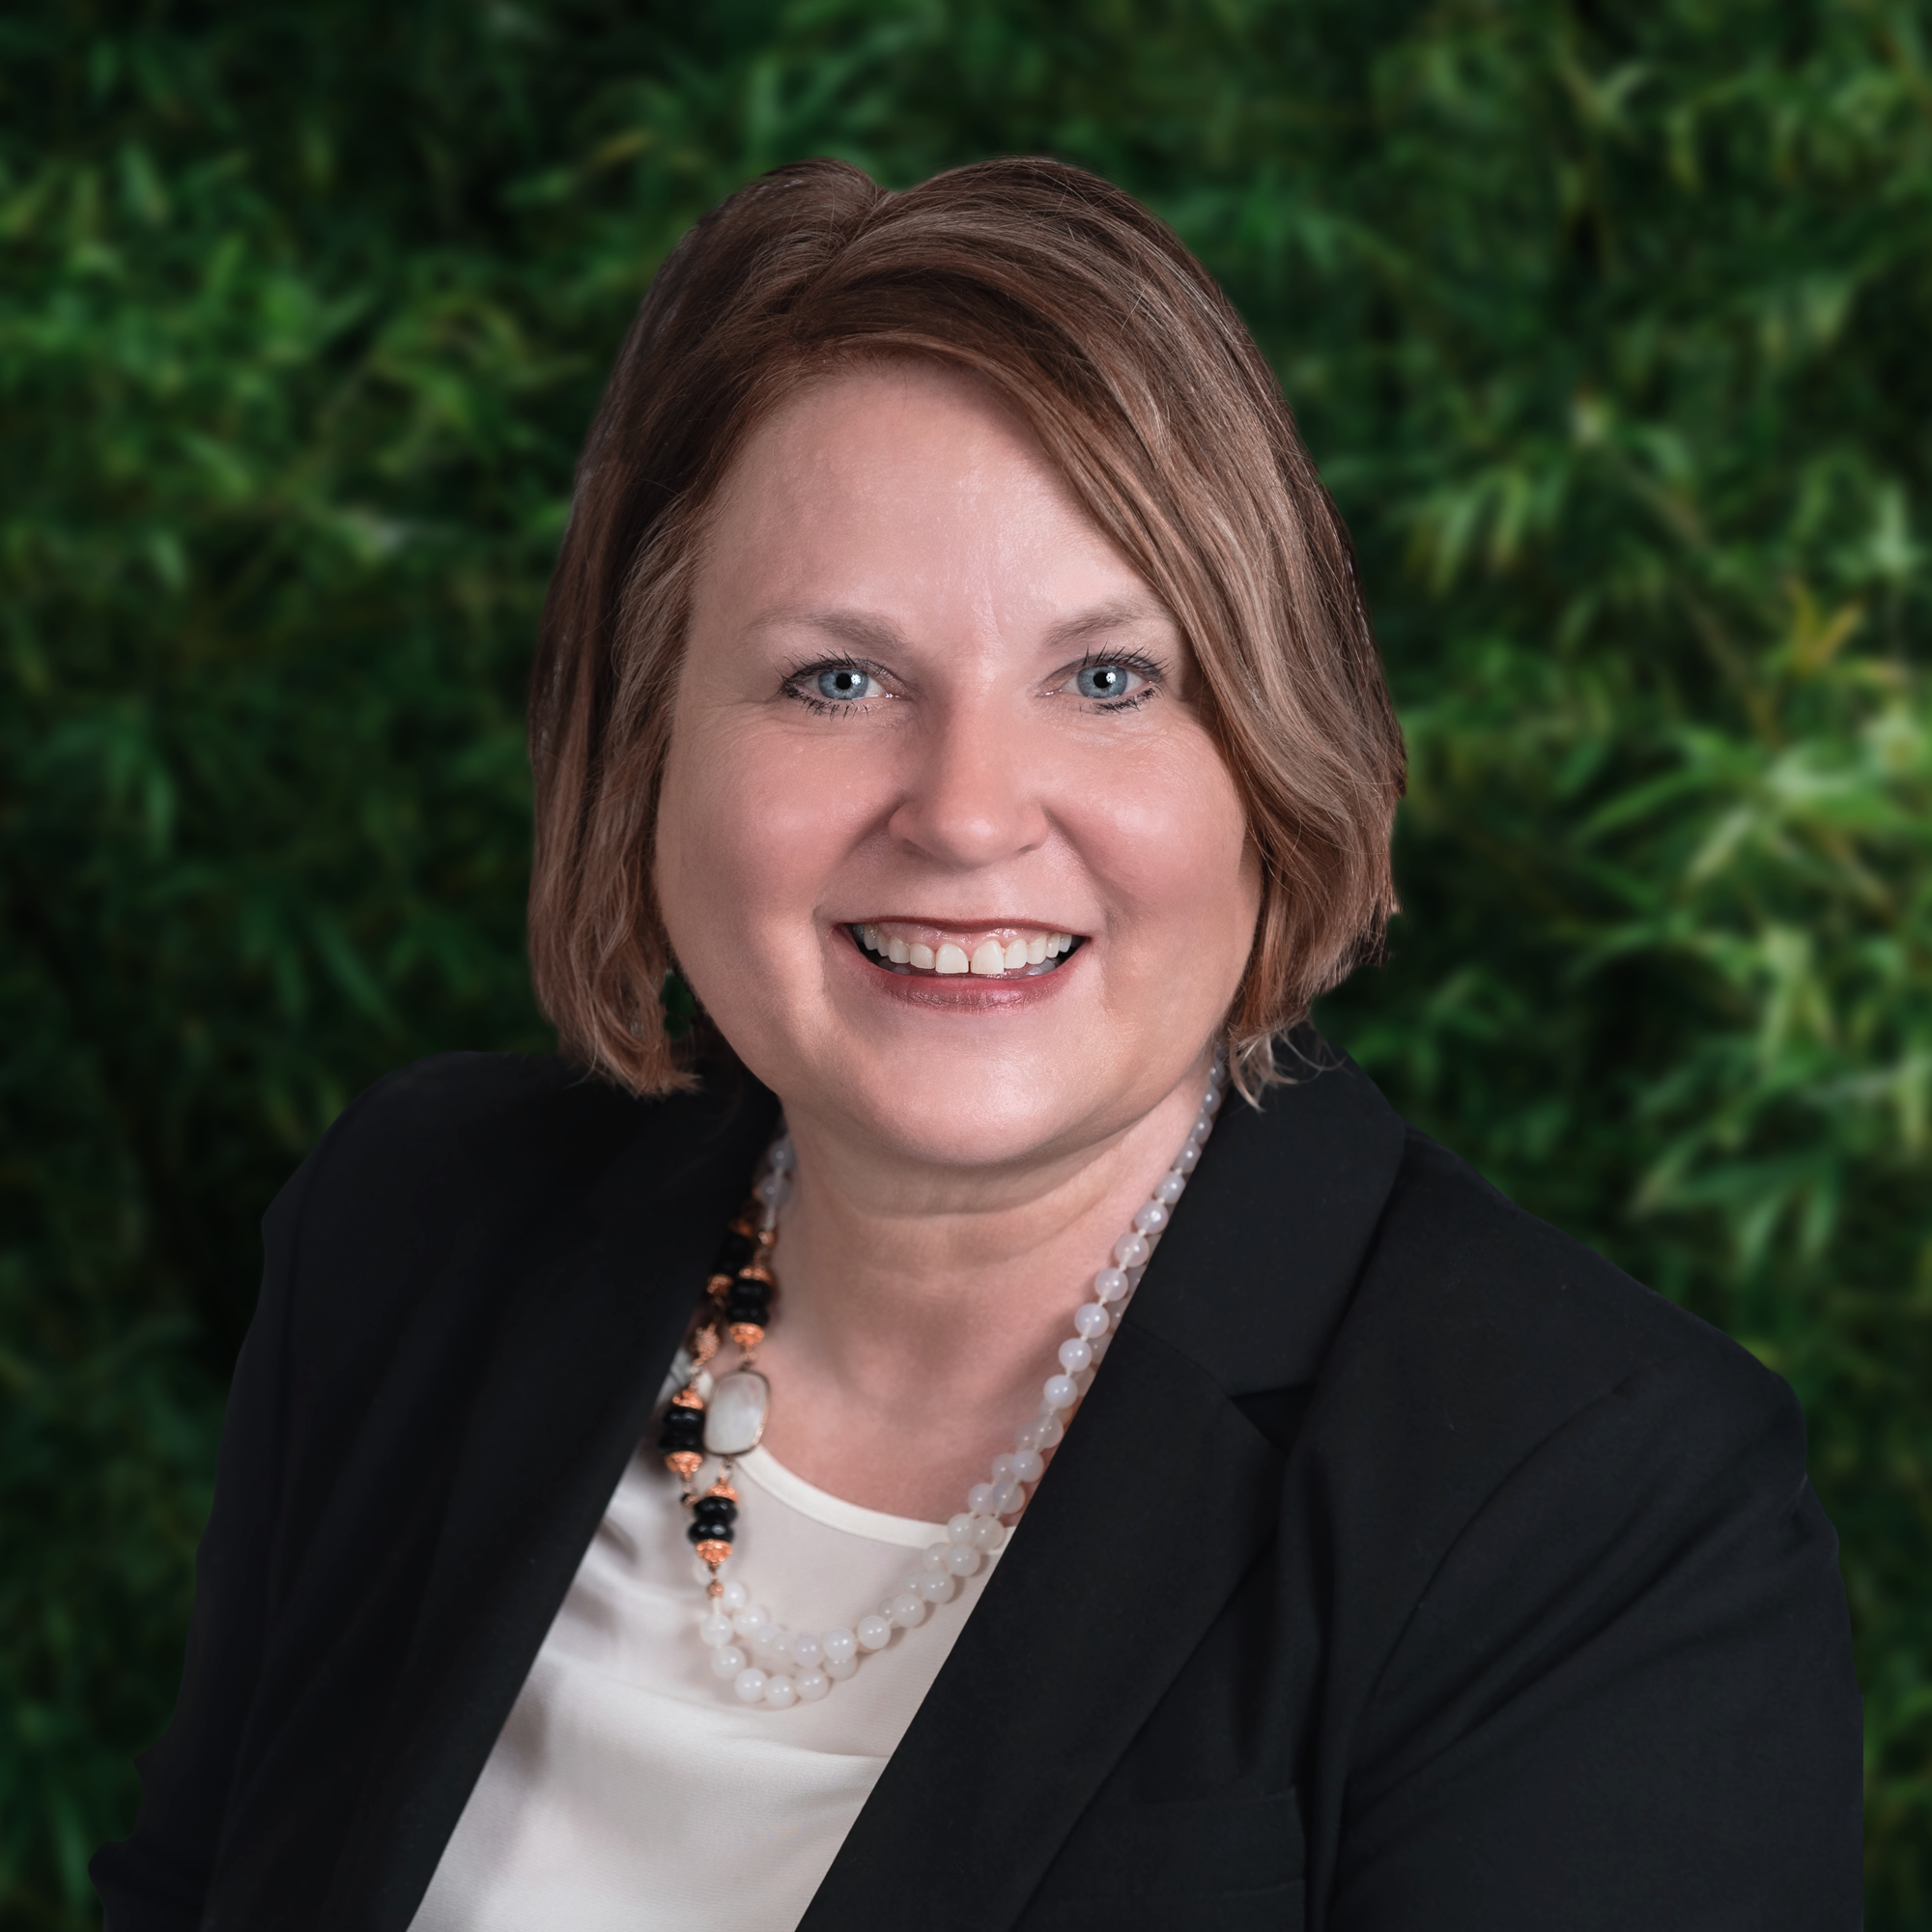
{"x":982,"y":1129}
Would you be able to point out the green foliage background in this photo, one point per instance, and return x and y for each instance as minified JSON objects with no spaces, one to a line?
{"x":1610,"y":327}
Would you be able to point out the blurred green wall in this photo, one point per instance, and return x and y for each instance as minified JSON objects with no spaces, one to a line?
{"x":1611,"y":327}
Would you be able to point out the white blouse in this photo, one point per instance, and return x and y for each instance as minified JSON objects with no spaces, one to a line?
{"x":629,"y":1790}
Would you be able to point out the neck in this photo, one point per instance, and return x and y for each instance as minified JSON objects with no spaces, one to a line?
{"x":922,"y":1308}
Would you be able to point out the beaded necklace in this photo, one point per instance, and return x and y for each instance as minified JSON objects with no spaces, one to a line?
{"x":724,"y":1416}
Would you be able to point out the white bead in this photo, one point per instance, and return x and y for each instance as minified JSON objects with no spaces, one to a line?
{"x":1059,"y":1393}
{"x":1009,"y":1498}
{"x":979,"y":1497}
{"x":1003,"y":1468}
{"x":873,"y":1632}
{"x":1170,"y":1188}
{"x":729,"y":1662}
{"x":1187,"y":1160}
{"x":988,"y":1536}
{"x":716,"y":1630}
{"x":1028,"y":1467}
{"x":932,"y":1558}
{"x":1075,"y":1356}
{"x":838,"y":1668}
{"x":734,"y":1418}
{"x":750,"y":1621}
{"x":806,"y":1651}
{"x":839,"y":1646}
{"x":750,"y":1686}
{"x":735,"y":1598}
{"x":812,"y":1686}
{"x":1032,"y":1436}
{"x":774,"y":1641}
{"x":1211,"y":1098}
{"x":781,"y":1692}
{"x":962,"y":1559}
{"x":773,"y":1189}
{"x":1053,"y":1431}
{"x":1131,"y":1250}
{"x":937,"y":1586}
{"x":1151,"y":1217}
{"x":1092,"y":1318}
{"x":785,"y":1156}
{"x":960,"y":1527}
{"x":1203,"y":1126}
{"x":1109,"y":1284}
{"x":908,"y":1609}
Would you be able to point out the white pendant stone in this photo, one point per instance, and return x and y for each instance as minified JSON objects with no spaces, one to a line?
{"x":734,"y":1419}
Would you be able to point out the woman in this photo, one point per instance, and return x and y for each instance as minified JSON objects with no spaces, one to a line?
{"x":955,"y":668}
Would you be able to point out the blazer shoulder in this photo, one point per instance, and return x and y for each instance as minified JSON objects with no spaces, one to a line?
{"x":1477,"y":1332}
{"x":468,"y":1162}
{"x":480,"y":1133}
{"x":1459,"y":1265}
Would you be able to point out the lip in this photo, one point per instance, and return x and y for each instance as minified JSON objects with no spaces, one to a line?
{"x":959,"y":992}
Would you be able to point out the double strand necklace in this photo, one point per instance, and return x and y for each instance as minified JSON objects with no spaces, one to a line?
{"x":725,"y":1416}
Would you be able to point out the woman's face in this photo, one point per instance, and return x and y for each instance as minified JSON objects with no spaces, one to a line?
{"x":930,"y":725}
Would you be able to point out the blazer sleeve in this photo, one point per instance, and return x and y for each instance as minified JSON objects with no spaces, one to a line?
{"x":154,"y":1880}
{"x":1626,"y":1696}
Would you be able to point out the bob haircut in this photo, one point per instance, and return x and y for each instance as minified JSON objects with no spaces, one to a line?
{"x":1091,"y":320}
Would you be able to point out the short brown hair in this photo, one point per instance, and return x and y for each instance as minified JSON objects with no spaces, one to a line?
{"x":1089,"y":317}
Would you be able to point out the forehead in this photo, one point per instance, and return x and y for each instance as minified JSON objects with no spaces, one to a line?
{"x":906,"y":472}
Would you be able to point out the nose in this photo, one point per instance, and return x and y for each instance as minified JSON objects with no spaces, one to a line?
{"x":973,"y":791}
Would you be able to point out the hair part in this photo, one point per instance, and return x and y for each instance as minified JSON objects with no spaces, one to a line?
{"x":1090,"y":319}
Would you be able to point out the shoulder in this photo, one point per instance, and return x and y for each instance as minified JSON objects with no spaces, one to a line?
{"x":1498,"y":1388}
{"x":1490,"y":1369}
{"x":1466,"y":1296}
{"x":490,"y":1136}
{"x":1569,"y":1547}
{"x":446,"y":1179}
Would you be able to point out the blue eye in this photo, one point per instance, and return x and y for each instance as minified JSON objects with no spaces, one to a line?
{"x":1106,"y":681}
{"x":846,"y":684}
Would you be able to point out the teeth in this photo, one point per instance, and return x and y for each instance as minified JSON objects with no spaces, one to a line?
{"x":990,"y":958}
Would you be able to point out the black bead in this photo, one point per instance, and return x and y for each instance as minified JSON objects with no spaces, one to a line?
{"x":704,"y":1532}
{"x":737,"y":1250}
{"x":716,"y":1509}
{"x":748,"y":1301}
{"x":683,"y":1428}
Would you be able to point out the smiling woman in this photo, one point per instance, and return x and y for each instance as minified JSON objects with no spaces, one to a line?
{"x":955,"y":671}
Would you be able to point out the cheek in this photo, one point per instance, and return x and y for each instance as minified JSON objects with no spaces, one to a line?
{"x":748,"y":834}
{"x":1173,"y":843}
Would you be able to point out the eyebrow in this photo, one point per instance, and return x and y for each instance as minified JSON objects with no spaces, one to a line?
{"x":863,"y":632}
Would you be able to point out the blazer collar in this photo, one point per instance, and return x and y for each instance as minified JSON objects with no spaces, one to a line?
{"x":1157,"y":1502}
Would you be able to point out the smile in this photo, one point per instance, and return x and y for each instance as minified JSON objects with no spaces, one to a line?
{"x":991,"y":953}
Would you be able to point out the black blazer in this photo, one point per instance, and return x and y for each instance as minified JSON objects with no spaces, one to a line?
{"x":1409,"y":1569}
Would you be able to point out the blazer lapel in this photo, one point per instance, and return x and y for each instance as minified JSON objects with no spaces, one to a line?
{"x":1090,"y":1615}
{"x":584,"y":1342}
{"x":1158,"y":1501}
